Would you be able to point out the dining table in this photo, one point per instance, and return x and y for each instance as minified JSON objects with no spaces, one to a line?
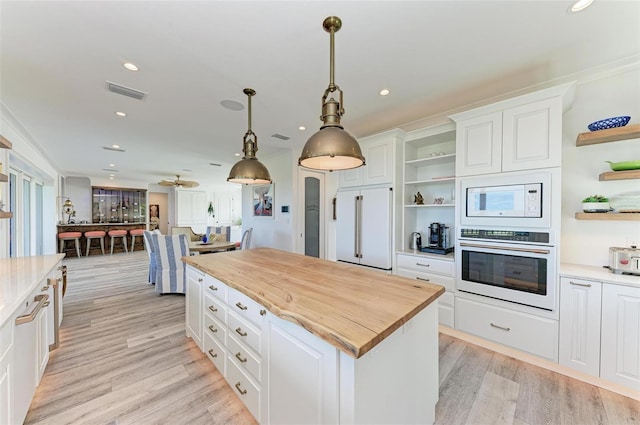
{"x":213,"y":246}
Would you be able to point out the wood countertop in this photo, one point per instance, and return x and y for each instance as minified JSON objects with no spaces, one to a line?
{"x":350,"y":307}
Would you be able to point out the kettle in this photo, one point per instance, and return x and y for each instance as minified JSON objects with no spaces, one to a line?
{"x":415,"y":241}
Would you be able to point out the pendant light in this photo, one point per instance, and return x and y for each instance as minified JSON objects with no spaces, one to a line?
{"x":249,"y":170}
{"x":331,"y":148}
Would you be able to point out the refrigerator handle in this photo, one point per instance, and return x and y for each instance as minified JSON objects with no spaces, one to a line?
{"x":359,"y":226}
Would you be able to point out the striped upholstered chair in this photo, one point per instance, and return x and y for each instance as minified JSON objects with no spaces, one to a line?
{"x":171,"y":272}
{"x":219,"y":233}
{"x":148,"y":245}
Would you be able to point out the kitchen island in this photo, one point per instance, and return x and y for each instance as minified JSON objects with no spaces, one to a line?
{"x":305,"y":340}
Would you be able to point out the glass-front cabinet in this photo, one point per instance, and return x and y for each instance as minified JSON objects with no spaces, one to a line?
{"x":117,"y":205}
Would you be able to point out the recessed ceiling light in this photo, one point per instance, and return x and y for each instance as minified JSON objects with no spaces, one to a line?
{"x":232,"y":105}
{"x":130,"y":66}
{"x":384,"y":92}
{"x":580,"y":5}
{"x":111,"y":178}
{"x":121,"y":114}
{"x":111,"y":175}
{"x":302,"y":128}
{"x":236,"y":154}
{"x":115,"y":146}
{"x":112,"y":165}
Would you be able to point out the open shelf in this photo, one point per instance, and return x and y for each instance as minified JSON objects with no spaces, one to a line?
{"x":608,"y":216}
{"x":6,"y":214}
{"x":609,"y":135}
{"x":431,"y":181}
{"x":620,"y":175}
{"x":429,"y":205}
{"x":5,"y":144}
{"x":4,"y":178}
{"x":433,"y":160}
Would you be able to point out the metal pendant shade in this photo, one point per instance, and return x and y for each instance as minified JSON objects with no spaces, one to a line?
{"x":332,"y":147}
{"x":249,"y":170}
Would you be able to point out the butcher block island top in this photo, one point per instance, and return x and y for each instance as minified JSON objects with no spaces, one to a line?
{"x":349,"y":306}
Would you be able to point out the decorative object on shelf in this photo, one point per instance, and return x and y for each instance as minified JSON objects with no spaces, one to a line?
{"x":67,"y":208}
{"x":438,"y":201}
{"x":331,"y":148}
{"x":178,"y":183}
{"x":249,"y":170}
{"x":595,"y":204}
{"x":609,"y":123}
{"x":628,"y":202}
{"x":210,"y":209}
{"x":418,"y":199}
{"x":624,"y":165}
{"x":263,"y":200}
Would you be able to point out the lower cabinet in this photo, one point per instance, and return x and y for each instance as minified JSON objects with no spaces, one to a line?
{"x":195,"y":280}
{"x":6,"y":372}
{"x":600,"y":330}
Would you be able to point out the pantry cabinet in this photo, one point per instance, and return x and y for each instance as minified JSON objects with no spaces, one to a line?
{"x":522,"y":133}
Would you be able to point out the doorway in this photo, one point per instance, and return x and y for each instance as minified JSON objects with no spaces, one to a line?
{"x":159,"y":212}
{"x":311,"y":237}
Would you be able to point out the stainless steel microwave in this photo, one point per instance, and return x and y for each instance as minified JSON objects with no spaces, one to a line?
{"x":510,"y":200}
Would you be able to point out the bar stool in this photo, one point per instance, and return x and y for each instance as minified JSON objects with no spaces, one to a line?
{"x":95,"y":234}
{"x":70,"y":236}
{"x":134,"y":233}
{"x":118,"y":234}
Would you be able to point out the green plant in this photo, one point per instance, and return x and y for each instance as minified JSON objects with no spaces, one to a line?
{"x":210,"y":210}
{"x":596,"y":198}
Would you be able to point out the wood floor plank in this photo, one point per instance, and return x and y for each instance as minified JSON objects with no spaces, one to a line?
{"x":124,"y":358}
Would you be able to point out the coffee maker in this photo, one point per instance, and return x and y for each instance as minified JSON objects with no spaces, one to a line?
{"x":438,"y":237}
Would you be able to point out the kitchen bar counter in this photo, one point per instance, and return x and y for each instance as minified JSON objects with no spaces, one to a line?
{"x":106,"y":227}
{"x":350,"y":307}
{"x":599,"y":274}
{"x":19,"y":277}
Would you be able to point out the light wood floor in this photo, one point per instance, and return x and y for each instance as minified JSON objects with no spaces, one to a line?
{"x":124,"y":359}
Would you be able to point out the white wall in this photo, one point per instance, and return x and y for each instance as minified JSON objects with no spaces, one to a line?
{"x":588,"y":242}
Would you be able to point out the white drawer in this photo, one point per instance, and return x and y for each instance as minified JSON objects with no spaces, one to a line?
{"x":215,"y":307}
{"x":214,"y":328}
{"x":215,"y":287}
{"x":244,"y":388}
{"x":244,"y":332}
{"x":244,"y":357}
{"x":533,"y":334}
{"x":425,"y":264}
{"x":438,"y":279}
{"x":245,"y":306}
{"x":216,"y":353}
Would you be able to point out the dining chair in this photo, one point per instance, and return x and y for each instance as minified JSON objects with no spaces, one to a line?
{"x":245,"y":242}
{"x":188,"y":231}
{"x":171,"y":272}
{"x":148,"y":244}
{"x":220,"y":233}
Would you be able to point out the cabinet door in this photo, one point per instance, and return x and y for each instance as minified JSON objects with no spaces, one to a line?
{"x":303,"y":371}
{"x":346,"y":226}
{"x":479,"y":145}
{"x":351,"y":178}
{"x":184,"y":201}
{"x":375,"y":228}
{"x":580,"y":302}
{"x":43,"y":339}
{"x":6,"y":372}
{"x":379,"y":158}
{"x":194,"y":309}
{"x":620,"y":355}
{"x":532,"y":135}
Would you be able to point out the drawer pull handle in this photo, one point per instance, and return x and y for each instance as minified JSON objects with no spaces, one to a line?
{"x":46,"y":304}
{"x":212,"y":308}
{"x":240,"y":306}
{"x":586,"y":285}
{"x":212,"y":354}
{"x":239,"y":357}
{"x":239,"y":332}
{"x":500,"y":327}
{"x":423,"y":265}
{"x":212,"y":329}
{"x":213,"y":288}
{"x":422,"y":278}
{"x":263,"y":312}
{"x":44,"y":288}
{"x":26,"y":318}
{"x":240,"y":390}
{"x":200,"y":279}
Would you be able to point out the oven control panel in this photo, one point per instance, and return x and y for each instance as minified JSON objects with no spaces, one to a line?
{"x":505,"y":235}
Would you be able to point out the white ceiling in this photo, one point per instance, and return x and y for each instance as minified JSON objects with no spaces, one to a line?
{"x":434,"y":56}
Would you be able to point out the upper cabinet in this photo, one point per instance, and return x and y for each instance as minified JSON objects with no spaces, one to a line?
{"x":117,"y":205}
{"x":191,"y":207}
{"x":379,"y":152}
{"x":517,"y":134}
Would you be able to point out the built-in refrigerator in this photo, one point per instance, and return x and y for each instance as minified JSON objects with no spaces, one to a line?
{"x":363,"y":226}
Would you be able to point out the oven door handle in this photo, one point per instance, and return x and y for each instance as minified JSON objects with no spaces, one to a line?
{"x":504,"y":248}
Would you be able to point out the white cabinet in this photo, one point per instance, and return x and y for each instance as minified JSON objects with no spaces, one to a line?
{"x":479,"y":145}
{"x":379,"y":152}
{"x":194,"y":322}
{"x":191,"y":207}
{"x":433,"y":270}
{"x":579,"y":346}
{"x":620,"y":353}
{"x":429,"y":168}
{"x":6,"y":372}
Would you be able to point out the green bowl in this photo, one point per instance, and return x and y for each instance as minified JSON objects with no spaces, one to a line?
{"x":626,"y":165}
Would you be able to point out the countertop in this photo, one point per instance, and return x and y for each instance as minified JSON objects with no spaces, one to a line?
{"x":349,"y":306}
{"x":444,"y":257}
{"x":19,"y":277}
{"x":600,"y":274}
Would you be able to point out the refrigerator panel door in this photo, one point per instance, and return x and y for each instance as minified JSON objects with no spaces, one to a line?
{"x":375,"y":228}
{"x":346,"y":226}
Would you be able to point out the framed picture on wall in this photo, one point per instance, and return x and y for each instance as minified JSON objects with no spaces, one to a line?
{"x":263,"y":200}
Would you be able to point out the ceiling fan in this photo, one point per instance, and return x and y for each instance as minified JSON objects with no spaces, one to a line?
{"x":178,"y":183}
